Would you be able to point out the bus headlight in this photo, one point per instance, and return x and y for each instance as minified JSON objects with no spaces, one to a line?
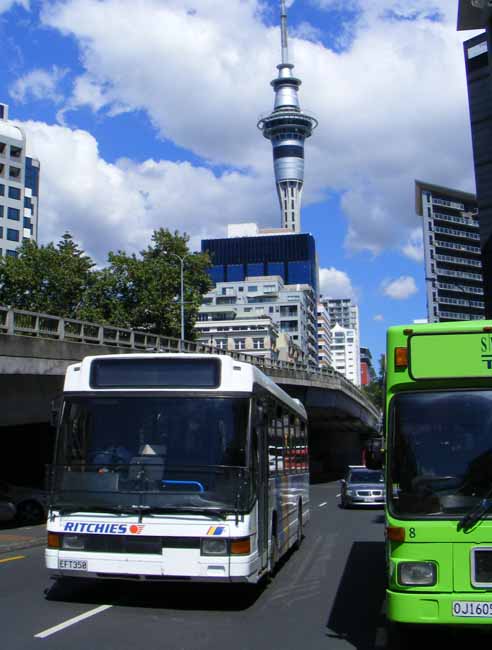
{"x":73,"y":543}
{"x":213,"y":547}
{"x":412,"y":574}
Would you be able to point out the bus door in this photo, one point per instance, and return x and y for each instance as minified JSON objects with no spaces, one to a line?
{"x":260,"y":452}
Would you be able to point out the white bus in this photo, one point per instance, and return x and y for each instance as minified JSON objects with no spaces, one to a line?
{"x":162,"y":470}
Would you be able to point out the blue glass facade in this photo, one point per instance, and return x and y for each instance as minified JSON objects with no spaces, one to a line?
{"x":292,"y":257}
{"x":31,"y":176}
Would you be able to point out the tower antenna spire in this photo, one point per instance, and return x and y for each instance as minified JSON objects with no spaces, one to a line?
{"x":287,"y":126}
{"x":283,"y":24}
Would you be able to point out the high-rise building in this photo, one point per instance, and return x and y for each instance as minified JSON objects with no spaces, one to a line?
{"x":346,"y":352}
{"x":291,"y":256}
{"x":324,"y":338}
{"x":342,"y":311}
{"x":477,"y":14}
{"x":243,"y":312}
{"x":287,"y":127}
{"x":19,"y":187}
{"x":453,"y":262}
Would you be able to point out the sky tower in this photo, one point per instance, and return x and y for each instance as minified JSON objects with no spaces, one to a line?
{"x":287,"y":127}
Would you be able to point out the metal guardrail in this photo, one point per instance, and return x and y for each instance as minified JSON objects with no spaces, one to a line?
{"x":25,"y":323}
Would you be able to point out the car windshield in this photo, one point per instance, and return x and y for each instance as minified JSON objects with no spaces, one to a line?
{"x":366,"y":476}
{"x":441,"y":452}
{"x":151,"y":453}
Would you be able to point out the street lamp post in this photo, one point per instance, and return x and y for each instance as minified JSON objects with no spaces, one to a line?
{"x":181,"y":262}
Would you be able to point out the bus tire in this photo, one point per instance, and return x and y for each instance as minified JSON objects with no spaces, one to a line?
{"x":300,"y":529}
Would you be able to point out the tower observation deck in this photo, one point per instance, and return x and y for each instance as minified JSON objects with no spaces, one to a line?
{"x":287,"y":127}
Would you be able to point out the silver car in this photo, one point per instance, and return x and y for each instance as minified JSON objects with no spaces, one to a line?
{"x":362,"y":487}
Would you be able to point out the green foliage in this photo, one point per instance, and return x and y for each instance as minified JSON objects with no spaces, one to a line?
{"x":133,"y":291}
{"x":144,"y":292}
{"x":50,"y":279}
{"x":375,"y":390}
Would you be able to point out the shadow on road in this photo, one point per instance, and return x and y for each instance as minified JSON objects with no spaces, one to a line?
{"x":184,"y":596}
{"x":357,"y":611}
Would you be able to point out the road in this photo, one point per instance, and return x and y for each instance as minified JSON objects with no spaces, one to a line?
{"x":327,"y":595}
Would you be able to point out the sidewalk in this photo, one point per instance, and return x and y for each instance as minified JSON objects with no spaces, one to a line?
{"x":13,"y":539}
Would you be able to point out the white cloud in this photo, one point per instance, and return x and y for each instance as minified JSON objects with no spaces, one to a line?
{"x":398,"y":91}
{"x":378,"y":317}
{"x":414,"y":248}
{"x":401,"y":288}
{"x":5,"y":5}
{"x":117,"y":206}
{"x":39,"y":84}
{"x":335,"y":284}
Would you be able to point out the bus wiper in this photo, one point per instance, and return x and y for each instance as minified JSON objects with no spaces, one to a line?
{"x":209,"y":512}
{"x":476,"y":513}
{"x":70,"y":508}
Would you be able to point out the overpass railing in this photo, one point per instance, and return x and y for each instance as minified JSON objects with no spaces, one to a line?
{"x":26,"y":323}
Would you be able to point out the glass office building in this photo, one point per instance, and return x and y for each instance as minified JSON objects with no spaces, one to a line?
{"x":290,"y":256}
{"x":480,"y":104}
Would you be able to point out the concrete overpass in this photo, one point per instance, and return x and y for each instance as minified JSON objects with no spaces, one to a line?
{"x":35,"y":350}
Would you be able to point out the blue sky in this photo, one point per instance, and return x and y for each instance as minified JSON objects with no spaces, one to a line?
{"x":143,"y":114}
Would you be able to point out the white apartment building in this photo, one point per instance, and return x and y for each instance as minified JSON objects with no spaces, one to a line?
{"x":19,"y":188}
{"x":346,"y":352}
{"x":324,"y":338}
{"x":290,"y":308}
{"x":345,"y":313}
{"x":251,"y":335}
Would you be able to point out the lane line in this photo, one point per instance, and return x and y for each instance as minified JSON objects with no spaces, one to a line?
{"x":11,"y":559}
{"x":325,"y":503}
{"x":71,"y":621}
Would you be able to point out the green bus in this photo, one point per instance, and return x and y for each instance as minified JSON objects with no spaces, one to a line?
{"x":438,"y":464}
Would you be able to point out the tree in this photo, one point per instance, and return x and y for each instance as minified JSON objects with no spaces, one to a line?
{"x":49,"y":279}
{"x":375,"y":390}
{"x":144,"y":292}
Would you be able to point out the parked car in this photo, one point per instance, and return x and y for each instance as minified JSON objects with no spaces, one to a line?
{"x":30,"y":503}
{"x":7,"y":509}
{"x":362,"y":487}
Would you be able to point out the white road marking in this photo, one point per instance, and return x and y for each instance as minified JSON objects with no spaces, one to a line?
{"x":71,"y":621}
{"x":323,"y":504}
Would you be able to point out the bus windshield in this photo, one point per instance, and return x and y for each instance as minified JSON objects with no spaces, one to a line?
{"x":441,"y":452}
{"x":151,"y":453}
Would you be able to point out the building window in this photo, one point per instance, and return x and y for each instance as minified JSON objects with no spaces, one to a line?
{"x":1,"y":232}
{"x":221,"y":344}
{"x":239,"y":344}
{"x":15,"y":152}
{"x":14,"y":214}
{"x":10,"y":253}
{"x":258,"y":344}
{"x":12,"y":235}
{"x":14,"y":193}
{"x":14,"y":172}
{"x":1,"y":211}
{"x":2,"y":189}
{"x":253,"y":287}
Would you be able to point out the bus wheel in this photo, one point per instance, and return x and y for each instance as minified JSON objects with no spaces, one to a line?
{"x":300,"y":532}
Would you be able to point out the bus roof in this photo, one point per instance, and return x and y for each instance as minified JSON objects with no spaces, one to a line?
{"x":433,"y":351}
{"x":234,"y":376}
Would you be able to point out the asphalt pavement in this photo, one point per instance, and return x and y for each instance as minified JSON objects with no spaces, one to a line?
{"x":14,"y":537}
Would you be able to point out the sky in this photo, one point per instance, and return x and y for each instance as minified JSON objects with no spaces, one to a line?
{"x":143,"y":114}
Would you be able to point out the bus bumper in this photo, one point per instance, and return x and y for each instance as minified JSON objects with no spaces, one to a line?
{"x":435,"y":608}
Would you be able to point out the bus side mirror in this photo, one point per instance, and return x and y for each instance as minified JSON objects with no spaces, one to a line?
{"x":374,"y":453}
